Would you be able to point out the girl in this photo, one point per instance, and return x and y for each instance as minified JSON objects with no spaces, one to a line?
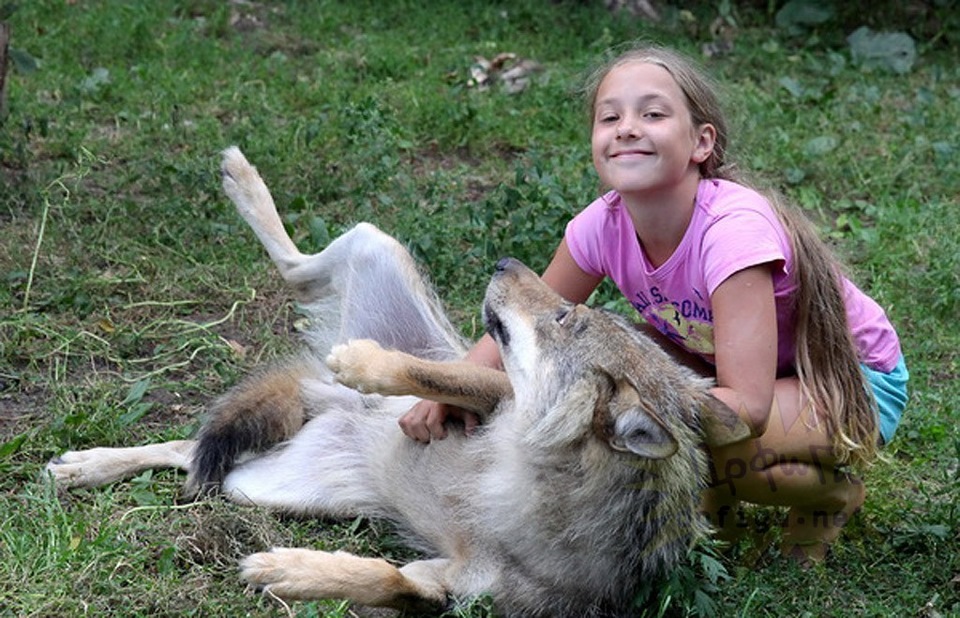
{"x":733,"y":278}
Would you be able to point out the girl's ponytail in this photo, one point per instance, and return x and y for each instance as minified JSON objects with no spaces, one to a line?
{"x":827,"y":364}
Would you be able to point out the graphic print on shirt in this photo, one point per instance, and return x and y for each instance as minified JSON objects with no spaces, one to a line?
{"x":688,"y":322}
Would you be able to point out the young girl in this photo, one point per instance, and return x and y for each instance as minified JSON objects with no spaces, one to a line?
{"x":737,"y":280}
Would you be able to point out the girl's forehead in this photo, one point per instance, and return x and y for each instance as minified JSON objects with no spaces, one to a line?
{"x":638,"y":76}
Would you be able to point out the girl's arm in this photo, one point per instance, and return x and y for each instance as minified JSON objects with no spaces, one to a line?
{"x":566,"y":278}
{"x":745,"y":340}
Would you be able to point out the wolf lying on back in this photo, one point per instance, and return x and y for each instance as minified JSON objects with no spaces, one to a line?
{"x":582,"y":481}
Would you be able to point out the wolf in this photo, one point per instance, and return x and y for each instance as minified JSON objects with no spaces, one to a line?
{"x":581,"y":483}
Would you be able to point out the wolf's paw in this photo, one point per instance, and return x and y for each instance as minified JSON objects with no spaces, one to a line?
{"x":287,"y":573}
{"x":240,"y":179}
{"x":79,"y":469}
{"x":233,"y":168}
{"x":363,"y":365}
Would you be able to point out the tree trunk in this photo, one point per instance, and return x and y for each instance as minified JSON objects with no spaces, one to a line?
{"x":4,"y":41}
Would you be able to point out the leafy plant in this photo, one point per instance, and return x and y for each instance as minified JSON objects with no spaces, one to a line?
{"x":689,"y":590}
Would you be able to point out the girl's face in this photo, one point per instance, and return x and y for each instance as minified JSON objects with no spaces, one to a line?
{"x":644,"y":140}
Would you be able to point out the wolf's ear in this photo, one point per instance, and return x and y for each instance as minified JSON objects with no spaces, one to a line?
{"x":642,"y":434}
{"x":721,"y":425}
{"x":636,"y":427}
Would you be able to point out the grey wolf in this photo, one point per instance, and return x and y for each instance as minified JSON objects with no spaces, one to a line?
{"x":583,"y":480}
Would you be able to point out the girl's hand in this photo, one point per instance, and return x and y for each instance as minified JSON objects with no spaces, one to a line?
{"x":426,"y":420}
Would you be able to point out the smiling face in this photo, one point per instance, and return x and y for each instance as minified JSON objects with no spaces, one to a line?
{"x":644,"y":139}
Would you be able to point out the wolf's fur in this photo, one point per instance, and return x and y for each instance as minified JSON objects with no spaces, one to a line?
{"x":583,"y":480}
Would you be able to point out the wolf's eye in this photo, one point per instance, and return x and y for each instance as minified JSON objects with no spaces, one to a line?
{"x":563,"y":315}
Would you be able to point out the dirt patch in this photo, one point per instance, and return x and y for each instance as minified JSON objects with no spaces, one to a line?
{"x":476,"y":185}
{"x":20,"y":408}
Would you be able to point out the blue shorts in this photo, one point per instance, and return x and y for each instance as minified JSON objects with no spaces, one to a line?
{"x":890,"y":393}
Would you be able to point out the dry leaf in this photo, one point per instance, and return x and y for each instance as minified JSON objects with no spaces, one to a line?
{"x":506,"y":68}
{"x":238,"y":348}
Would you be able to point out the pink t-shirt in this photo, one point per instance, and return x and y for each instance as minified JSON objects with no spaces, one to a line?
{"x":732,"y":228}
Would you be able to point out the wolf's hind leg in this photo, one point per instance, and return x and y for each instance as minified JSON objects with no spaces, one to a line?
{"x":384,"y":296}
{"x":364,"y":285}
{"x":248,"y":192}
{"x":99,"y":466}
{"x":306,"y":574}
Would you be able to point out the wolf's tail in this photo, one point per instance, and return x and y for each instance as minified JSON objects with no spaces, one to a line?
{"x":263,"y":410}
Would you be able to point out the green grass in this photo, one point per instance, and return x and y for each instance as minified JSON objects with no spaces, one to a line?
{"x":132,"y":293}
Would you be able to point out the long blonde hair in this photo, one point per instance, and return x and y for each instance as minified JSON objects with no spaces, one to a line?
{"x":826,"y":361}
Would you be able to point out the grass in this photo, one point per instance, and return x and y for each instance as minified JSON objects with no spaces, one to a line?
{"x":132,"y":293}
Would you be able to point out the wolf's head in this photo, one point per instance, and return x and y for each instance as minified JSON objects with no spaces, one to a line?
{"x":612,"y":382}
{"x":613,"y":427}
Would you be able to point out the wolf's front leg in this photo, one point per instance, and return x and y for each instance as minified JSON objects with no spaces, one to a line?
{"x":365,"y":366}
{"x":303,"y":574}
